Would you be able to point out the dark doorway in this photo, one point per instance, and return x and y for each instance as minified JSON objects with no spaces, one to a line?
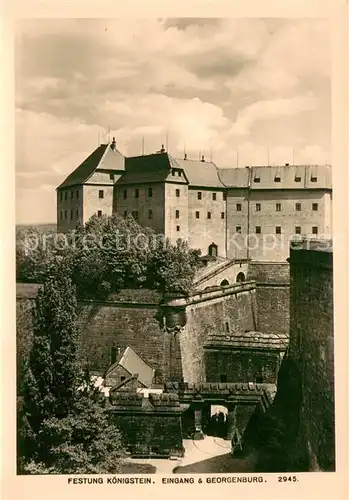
{"x":213,"y":250}
{"x":240,"y":278}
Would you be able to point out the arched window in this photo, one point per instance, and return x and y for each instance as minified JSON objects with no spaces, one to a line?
{"x":240,"y":277}
{"x":213,"y":250}
{"x":225,"y":282}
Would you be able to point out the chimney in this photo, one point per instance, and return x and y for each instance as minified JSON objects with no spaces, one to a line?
{"x":162,"y":150}
{"x":287,"y":164}
{"x":202,"y":158}
{"x":185,"y":156}
{"x":113,"y":144}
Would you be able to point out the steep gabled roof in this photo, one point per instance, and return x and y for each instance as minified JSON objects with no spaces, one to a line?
{"x":133,"y":363}
{"x":103,"y":157}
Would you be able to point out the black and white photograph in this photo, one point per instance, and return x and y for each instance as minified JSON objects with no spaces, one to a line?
{"x":174,"y":257}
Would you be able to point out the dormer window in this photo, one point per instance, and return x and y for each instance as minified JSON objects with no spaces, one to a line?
{"x":257,"y":179}
{"x":297,"y":178}
{"x":313,"y":178}
{"x":277,"y":179}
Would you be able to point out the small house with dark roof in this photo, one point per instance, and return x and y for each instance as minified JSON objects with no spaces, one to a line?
{"x":88,"y":190}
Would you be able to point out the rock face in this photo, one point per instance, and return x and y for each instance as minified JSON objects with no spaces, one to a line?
{"x":298,"y":432}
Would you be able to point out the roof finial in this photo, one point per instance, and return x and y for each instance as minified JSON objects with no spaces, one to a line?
{"x":113,"y":144}
{"x":162,"y":150}
{"x":203,"y":158}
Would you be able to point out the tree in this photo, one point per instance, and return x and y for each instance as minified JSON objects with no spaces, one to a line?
{"x":173,"y":267}
{"x":62,"y":424}
{"x":110,"y":253}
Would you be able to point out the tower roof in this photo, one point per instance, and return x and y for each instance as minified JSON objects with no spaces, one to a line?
{"x":105,"y":157}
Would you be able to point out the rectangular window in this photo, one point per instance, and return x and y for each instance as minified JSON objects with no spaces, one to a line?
{"x":277,"y":179}
{"x":298,"y":230}
{"x":77,"y":213}
{"x":173,"y":172}
{"x":125,"y":213}
{"x":314,"y":230}
{"x":298,"y":207}
{"x":71,"y":214}
{"x":313,"y":179}
{"x":222,"y":215}
{"x":238,"y":207}
{"x":66,"y":196}
{"x":224,"y":196}
{"x":238,"y":229}
{"x":150,"y":214}
{"x":135,"y":214}
{"x":179,"y":173}
{"x":101,"y":193}
{"x":77,"y":194}
{"x":65,"y":214}
{"x":297,"y":179}
{"x":178,"y":193}
{"x":315,"y":207}
{"x":136,"y":193}
{"x":214,"y":196}
{"x":111,"y":177}
{"x":257,"y":179}
{"x":209,"y":215}
{"x":278,"y":207}
{"x":61,"y":195}
{"x":227,"y":326}
{"x":197,"y":215}
{"x":72,"y":195}
{"x":177,"y":214}
{"x":258,"y":207}
{"x":99,"y":213}
{"x":125,"y":194}
{"x":178,"y":228}
{"x":278,"y":230}
{"x":150,"y":192}
{"x":61,"y":216}
{"x":258,"y":229}
{"x":199,"y":195}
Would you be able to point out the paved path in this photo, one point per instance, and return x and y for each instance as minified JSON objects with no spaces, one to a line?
{"x":209,"y":455}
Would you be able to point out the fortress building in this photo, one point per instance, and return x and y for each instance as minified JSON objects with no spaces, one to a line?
{"x":233,"y":213}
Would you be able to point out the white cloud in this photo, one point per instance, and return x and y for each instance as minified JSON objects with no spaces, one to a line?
{"x":245,"y":84}
{"x":266,"y":110}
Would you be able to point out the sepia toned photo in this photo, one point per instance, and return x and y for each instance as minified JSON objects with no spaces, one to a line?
{"x":174,"y":262}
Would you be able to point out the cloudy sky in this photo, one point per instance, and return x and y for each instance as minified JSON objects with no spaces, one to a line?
{"x":211,"y":85}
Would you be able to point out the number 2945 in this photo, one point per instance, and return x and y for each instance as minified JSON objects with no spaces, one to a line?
{"x":285,"y":479}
